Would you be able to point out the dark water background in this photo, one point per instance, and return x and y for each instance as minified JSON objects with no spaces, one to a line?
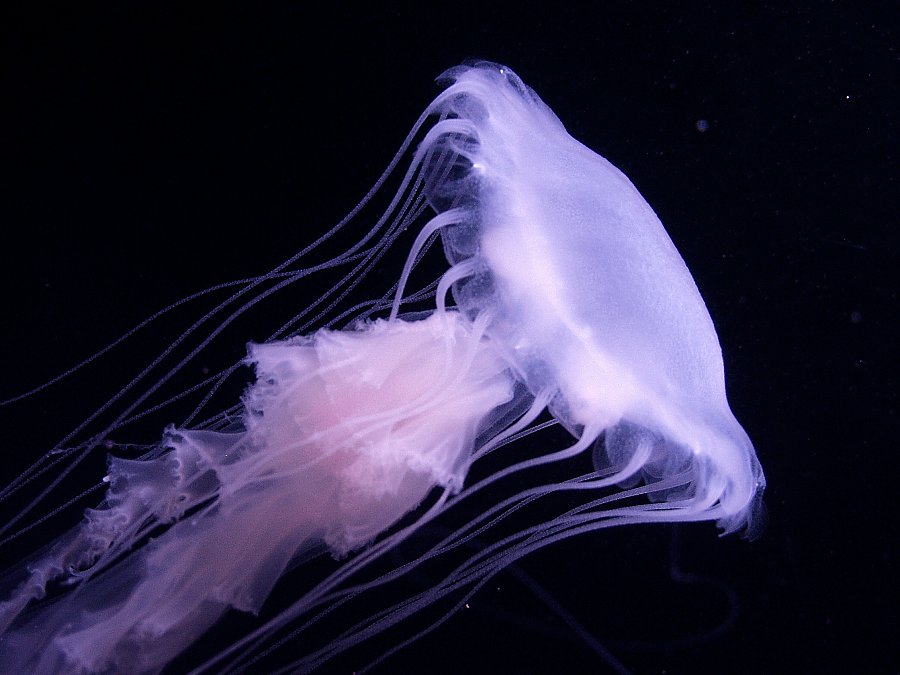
{"x":148,"y":152}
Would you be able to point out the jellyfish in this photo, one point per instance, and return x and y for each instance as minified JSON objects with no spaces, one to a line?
{"x":564,"y":303}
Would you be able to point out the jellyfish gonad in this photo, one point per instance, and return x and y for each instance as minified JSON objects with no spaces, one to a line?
{"x":564,"y":299}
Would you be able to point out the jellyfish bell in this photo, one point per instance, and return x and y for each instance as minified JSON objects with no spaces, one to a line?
{"x":589,"y":296}
{"x":568,"y":297}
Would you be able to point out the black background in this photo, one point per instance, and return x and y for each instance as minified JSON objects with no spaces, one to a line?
{"x":149,"y":151}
